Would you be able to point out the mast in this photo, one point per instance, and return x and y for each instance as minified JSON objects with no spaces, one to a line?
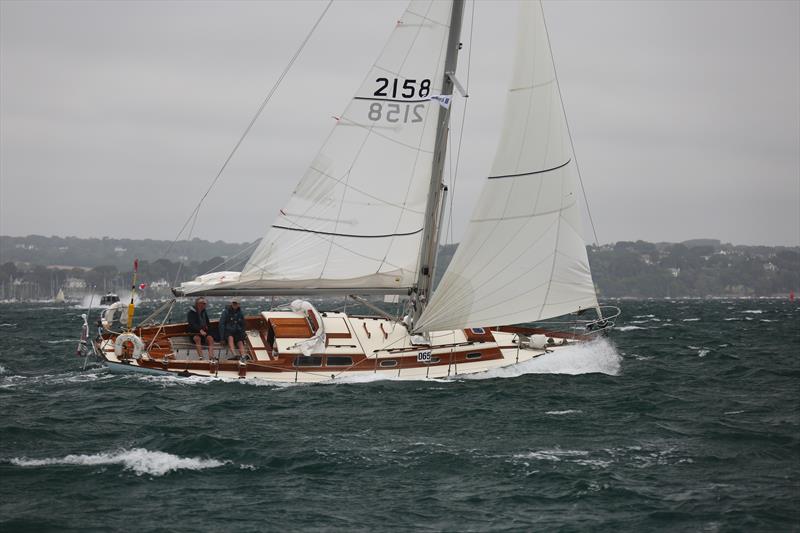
{"x":430,"y":239}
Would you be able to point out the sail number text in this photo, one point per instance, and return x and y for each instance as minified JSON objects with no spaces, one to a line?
{"x":409,"y":88}
{"x":399,"y":111}
{"x":393,"y":112}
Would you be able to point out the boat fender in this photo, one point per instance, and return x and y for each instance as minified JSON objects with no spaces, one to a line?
{"x":538,"y":342}
{"x":128,"y":346}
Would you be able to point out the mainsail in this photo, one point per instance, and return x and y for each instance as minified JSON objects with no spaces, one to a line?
{"x":524,"y":257}
{"x":355,"y":220}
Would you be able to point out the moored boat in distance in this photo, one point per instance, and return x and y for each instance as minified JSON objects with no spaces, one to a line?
{"x":366,"y":218}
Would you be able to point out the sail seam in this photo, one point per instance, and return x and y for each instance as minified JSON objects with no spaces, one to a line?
{"x":531,"y":215}
{"x":531,"y":173}
{"x":423,"y":17}
{"x":372,"y":131}
{"x":534,"y":86}
{"x":348,"y":186}
{"x":334,"y":234}
{"x":461,"y":296}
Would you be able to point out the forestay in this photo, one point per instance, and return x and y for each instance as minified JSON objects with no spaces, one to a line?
{"x":523,"y":258}
{"x":355,"y":219}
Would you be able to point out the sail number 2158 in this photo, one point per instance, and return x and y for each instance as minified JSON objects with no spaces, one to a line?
{"x":409,"y":89}
{"x":399,"y":111}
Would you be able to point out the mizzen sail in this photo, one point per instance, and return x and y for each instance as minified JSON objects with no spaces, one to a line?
{"x":523,"y":257}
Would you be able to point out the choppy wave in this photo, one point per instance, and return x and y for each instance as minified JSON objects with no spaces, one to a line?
{"x":636,"y":456}
{"x":13,"y":381}
{"x":139,"y":460}
{"x":564,"y":412}
{"x":629,"y":328}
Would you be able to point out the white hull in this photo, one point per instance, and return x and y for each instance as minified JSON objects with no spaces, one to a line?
{"x":352,"y":348}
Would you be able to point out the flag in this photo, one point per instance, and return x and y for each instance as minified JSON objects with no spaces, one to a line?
{"x":443,"y":99}
{"x":142,"y":286}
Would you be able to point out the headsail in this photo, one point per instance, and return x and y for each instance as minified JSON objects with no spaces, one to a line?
{"x":523,"y":258}
{"x":355,"y":220}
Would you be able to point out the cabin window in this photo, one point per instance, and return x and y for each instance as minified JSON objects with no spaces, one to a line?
{"x":474,"y":355}
{"x":339,"y":360}
{"x":388,"y":363}
{"x":312,"y":360}
{"x":478,"y":331}
{"x":434,"y":360}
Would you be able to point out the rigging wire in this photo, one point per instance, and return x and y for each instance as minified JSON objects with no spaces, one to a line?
{"x":569,"y":131}
{"x":192,"y":219}
{"x":449,"y":231}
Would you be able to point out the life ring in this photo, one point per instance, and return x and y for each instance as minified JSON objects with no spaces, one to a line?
{"x":128,"y":346}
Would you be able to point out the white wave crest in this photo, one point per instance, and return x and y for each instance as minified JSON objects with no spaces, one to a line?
{"x":595,"y":357}
{"x":3,"y":369}
{"x":629,"y":328}
{"x":7,"y":325}
{"x":54,"y":379}
{"x":565,"y":412}
{"x":138,"y":460}
{"x":753,"y":311}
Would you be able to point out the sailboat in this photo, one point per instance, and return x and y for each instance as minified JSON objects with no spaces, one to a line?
{"x":365,"y":220}
{"x":60,"y":298}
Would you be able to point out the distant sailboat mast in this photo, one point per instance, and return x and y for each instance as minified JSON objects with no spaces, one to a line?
{"x":430,"y":239}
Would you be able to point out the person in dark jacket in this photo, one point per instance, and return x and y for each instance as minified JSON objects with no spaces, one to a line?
{"x":231,"y":327}
{"x":199,"y":327}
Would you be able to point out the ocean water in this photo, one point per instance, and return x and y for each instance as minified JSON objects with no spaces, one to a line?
{"x":685,"y":419}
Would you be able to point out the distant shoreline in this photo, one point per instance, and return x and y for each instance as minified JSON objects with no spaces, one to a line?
{"x":37,"y":267}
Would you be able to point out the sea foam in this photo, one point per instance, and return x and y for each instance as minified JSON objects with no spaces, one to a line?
{"x":597,"y":357}
{"x":139,"y":460}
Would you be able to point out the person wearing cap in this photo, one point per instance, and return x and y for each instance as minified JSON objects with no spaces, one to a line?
{"x":231,"y":327}
{"x":199,"y":328}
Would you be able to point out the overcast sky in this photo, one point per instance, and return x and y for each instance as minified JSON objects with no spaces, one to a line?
{"x":116,"y":116}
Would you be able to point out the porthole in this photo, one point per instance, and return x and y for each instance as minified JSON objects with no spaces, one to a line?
{"x":313,"y":360}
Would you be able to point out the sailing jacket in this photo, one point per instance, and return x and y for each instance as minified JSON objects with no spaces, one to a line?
{"x":198,"y":321}
{"x":230,"y":322}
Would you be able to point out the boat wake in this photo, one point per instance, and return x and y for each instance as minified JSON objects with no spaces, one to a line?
{"x":139,"y":460}
{"x":597,"y":357}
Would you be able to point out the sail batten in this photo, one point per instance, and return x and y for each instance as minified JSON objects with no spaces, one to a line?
{"x":523,"y":258}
